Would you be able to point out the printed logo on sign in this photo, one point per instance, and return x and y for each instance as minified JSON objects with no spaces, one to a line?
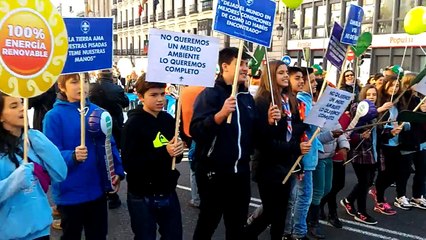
{"x":249,"y":2}
{"x":85,"y":26}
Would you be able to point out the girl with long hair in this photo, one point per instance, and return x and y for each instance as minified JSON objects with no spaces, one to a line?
{"x":277,"y":147}
{"x":365,"y":158}
{"x":389,"y":135}
{"x":24,"y":208}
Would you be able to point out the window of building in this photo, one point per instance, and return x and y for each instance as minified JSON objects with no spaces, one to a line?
{"x":321,"y":13}
{"x":385,"y":16}
{"x":127,"y":15}
{"x":367,"y":24}
{"x":308,"y":14}
{"x":139,"y":45}
{"x":248,"y":46}
{"x":133,"y":13}
{"x":334,"y":14}
{"x":403,"y":8}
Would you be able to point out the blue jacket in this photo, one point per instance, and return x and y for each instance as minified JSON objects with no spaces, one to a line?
{"x":25,"y":212}
{"x":310,"y":160}
{"x":85,"y":181}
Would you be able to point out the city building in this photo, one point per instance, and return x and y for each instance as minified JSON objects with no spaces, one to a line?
{"x":293,"y":30}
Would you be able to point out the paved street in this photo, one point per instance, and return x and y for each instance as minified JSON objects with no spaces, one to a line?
{"x":404,"y":225}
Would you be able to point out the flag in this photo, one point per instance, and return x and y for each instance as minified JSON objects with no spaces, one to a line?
{"x":141,"y":7}
{"x":256,"y":61}
{"x":156,"y":2}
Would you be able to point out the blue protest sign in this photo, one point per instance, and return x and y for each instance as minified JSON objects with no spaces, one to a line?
{"x":90,"y":44}
{"x":286,"y":59}
{"x":250,"y":20}
{"x":352,"y":28}
{"x":336,"y":51}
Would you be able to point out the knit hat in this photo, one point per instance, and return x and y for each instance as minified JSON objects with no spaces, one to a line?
{"x":317,"y":69}
{"x":105,"y":74}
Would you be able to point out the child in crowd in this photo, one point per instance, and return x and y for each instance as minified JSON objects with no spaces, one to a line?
{"x":81,"y":197}
{"x":24,"y":208}
{"x":148,"y":147}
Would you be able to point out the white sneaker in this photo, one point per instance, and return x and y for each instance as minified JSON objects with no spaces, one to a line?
{"x":402,"y":203}
{"x":418,"y":202}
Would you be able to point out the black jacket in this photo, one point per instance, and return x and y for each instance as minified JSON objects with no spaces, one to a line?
{"x":144,"y":154}
{"x":224,"y":148}
{"x":410,"y":140}
{"x":111,"y":97}
{"x":274,"y":154}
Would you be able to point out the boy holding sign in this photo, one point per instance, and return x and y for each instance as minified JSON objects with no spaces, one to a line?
{"x":148,"y":147}
{"x":223,"y":150}
{"x":81,"y":197}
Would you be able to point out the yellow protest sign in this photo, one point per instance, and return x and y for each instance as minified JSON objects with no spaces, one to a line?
{"x":33,"y":47}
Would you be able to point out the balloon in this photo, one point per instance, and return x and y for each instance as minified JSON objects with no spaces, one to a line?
{"x":415,"y":21}
{"x":292,"y":4}
{"x":363,"y":42}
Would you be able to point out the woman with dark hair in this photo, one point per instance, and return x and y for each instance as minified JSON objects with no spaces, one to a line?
{"x":350,"y":84}
{"x":24,"y":208}
{"x":389,"y":134}
{"x":365,"y":158}
{"x":376,"y":80}
{"x":277,"y":147}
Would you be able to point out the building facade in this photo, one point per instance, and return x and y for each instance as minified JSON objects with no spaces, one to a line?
{"x":383,"y":18}
{"x":304,"y":27}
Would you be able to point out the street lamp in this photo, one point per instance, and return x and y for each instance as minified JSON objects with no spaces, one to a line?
{"x":293,"y":29}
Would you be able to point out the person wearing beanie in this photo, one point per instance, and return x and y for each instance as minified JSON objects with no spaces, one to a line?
{"x":112,"y":98}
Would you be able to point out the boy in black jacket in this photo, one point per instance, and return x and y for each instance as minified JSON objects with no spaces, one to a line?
{"x":148,"y":146}
{"x":223,"y":150}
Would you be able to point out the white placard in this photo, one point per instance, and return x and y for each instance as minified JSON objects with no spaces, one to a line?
{"x":182,"y":58}
{"x":329,"y":108}
{"x":420,"y":86}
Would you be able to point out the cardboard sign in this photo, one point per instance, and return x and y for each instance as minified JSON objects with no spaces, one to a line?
{"x":33,"y":47}
{"x":352,"y":28}
{"x":336,"y":51}
{"x":181,"y":58}
{"x":250,"y":20}
{"x":90,"y":44}
{"x":420,"y":86}
{"x":327,"y":111}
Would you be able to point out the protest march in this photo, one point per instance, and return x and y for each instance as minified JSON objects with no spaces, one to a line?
{"x":321,"y":146}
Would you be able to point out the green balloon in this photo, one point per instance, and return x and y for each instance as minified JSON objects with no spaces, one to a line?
{"x":364,"y":42}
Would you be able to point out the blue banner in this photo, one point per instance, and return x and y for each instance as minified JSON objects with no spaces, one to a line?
{"x":89,"y":44}
{"x":352,"y":28}
{"x":336,"y":51}
{"x":250,"y":20}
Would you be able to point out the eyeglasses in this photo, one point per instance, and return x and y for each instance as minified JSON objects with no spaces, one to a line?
{"x":349,"y":75}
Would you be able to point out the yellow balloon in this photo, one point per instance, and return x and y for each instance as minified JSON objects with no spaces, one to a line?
{"x":292,"y":4}
{"x":415,"y":21}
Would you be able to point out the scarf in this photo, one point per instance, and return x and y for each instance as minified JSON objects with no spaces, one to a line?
{"x":287,"y":111}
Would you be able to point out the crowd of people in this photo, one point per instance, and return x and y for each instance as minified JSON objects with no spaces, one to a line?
{"x":261,"y":142}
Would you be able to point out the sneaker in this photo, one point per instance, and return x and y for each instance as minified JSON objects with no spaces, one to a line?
{"x":287,"y":237}
{"x":384,"y":208}
{"x":56,"y":224}
{"x":402,"y":203}
{"x":372,"y":192}
{"x":418,"y":202}
{"x":365,"y":218}
{"x":334,"y":220}
{"x":349,"y":207}
{"x":193,"y":204}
